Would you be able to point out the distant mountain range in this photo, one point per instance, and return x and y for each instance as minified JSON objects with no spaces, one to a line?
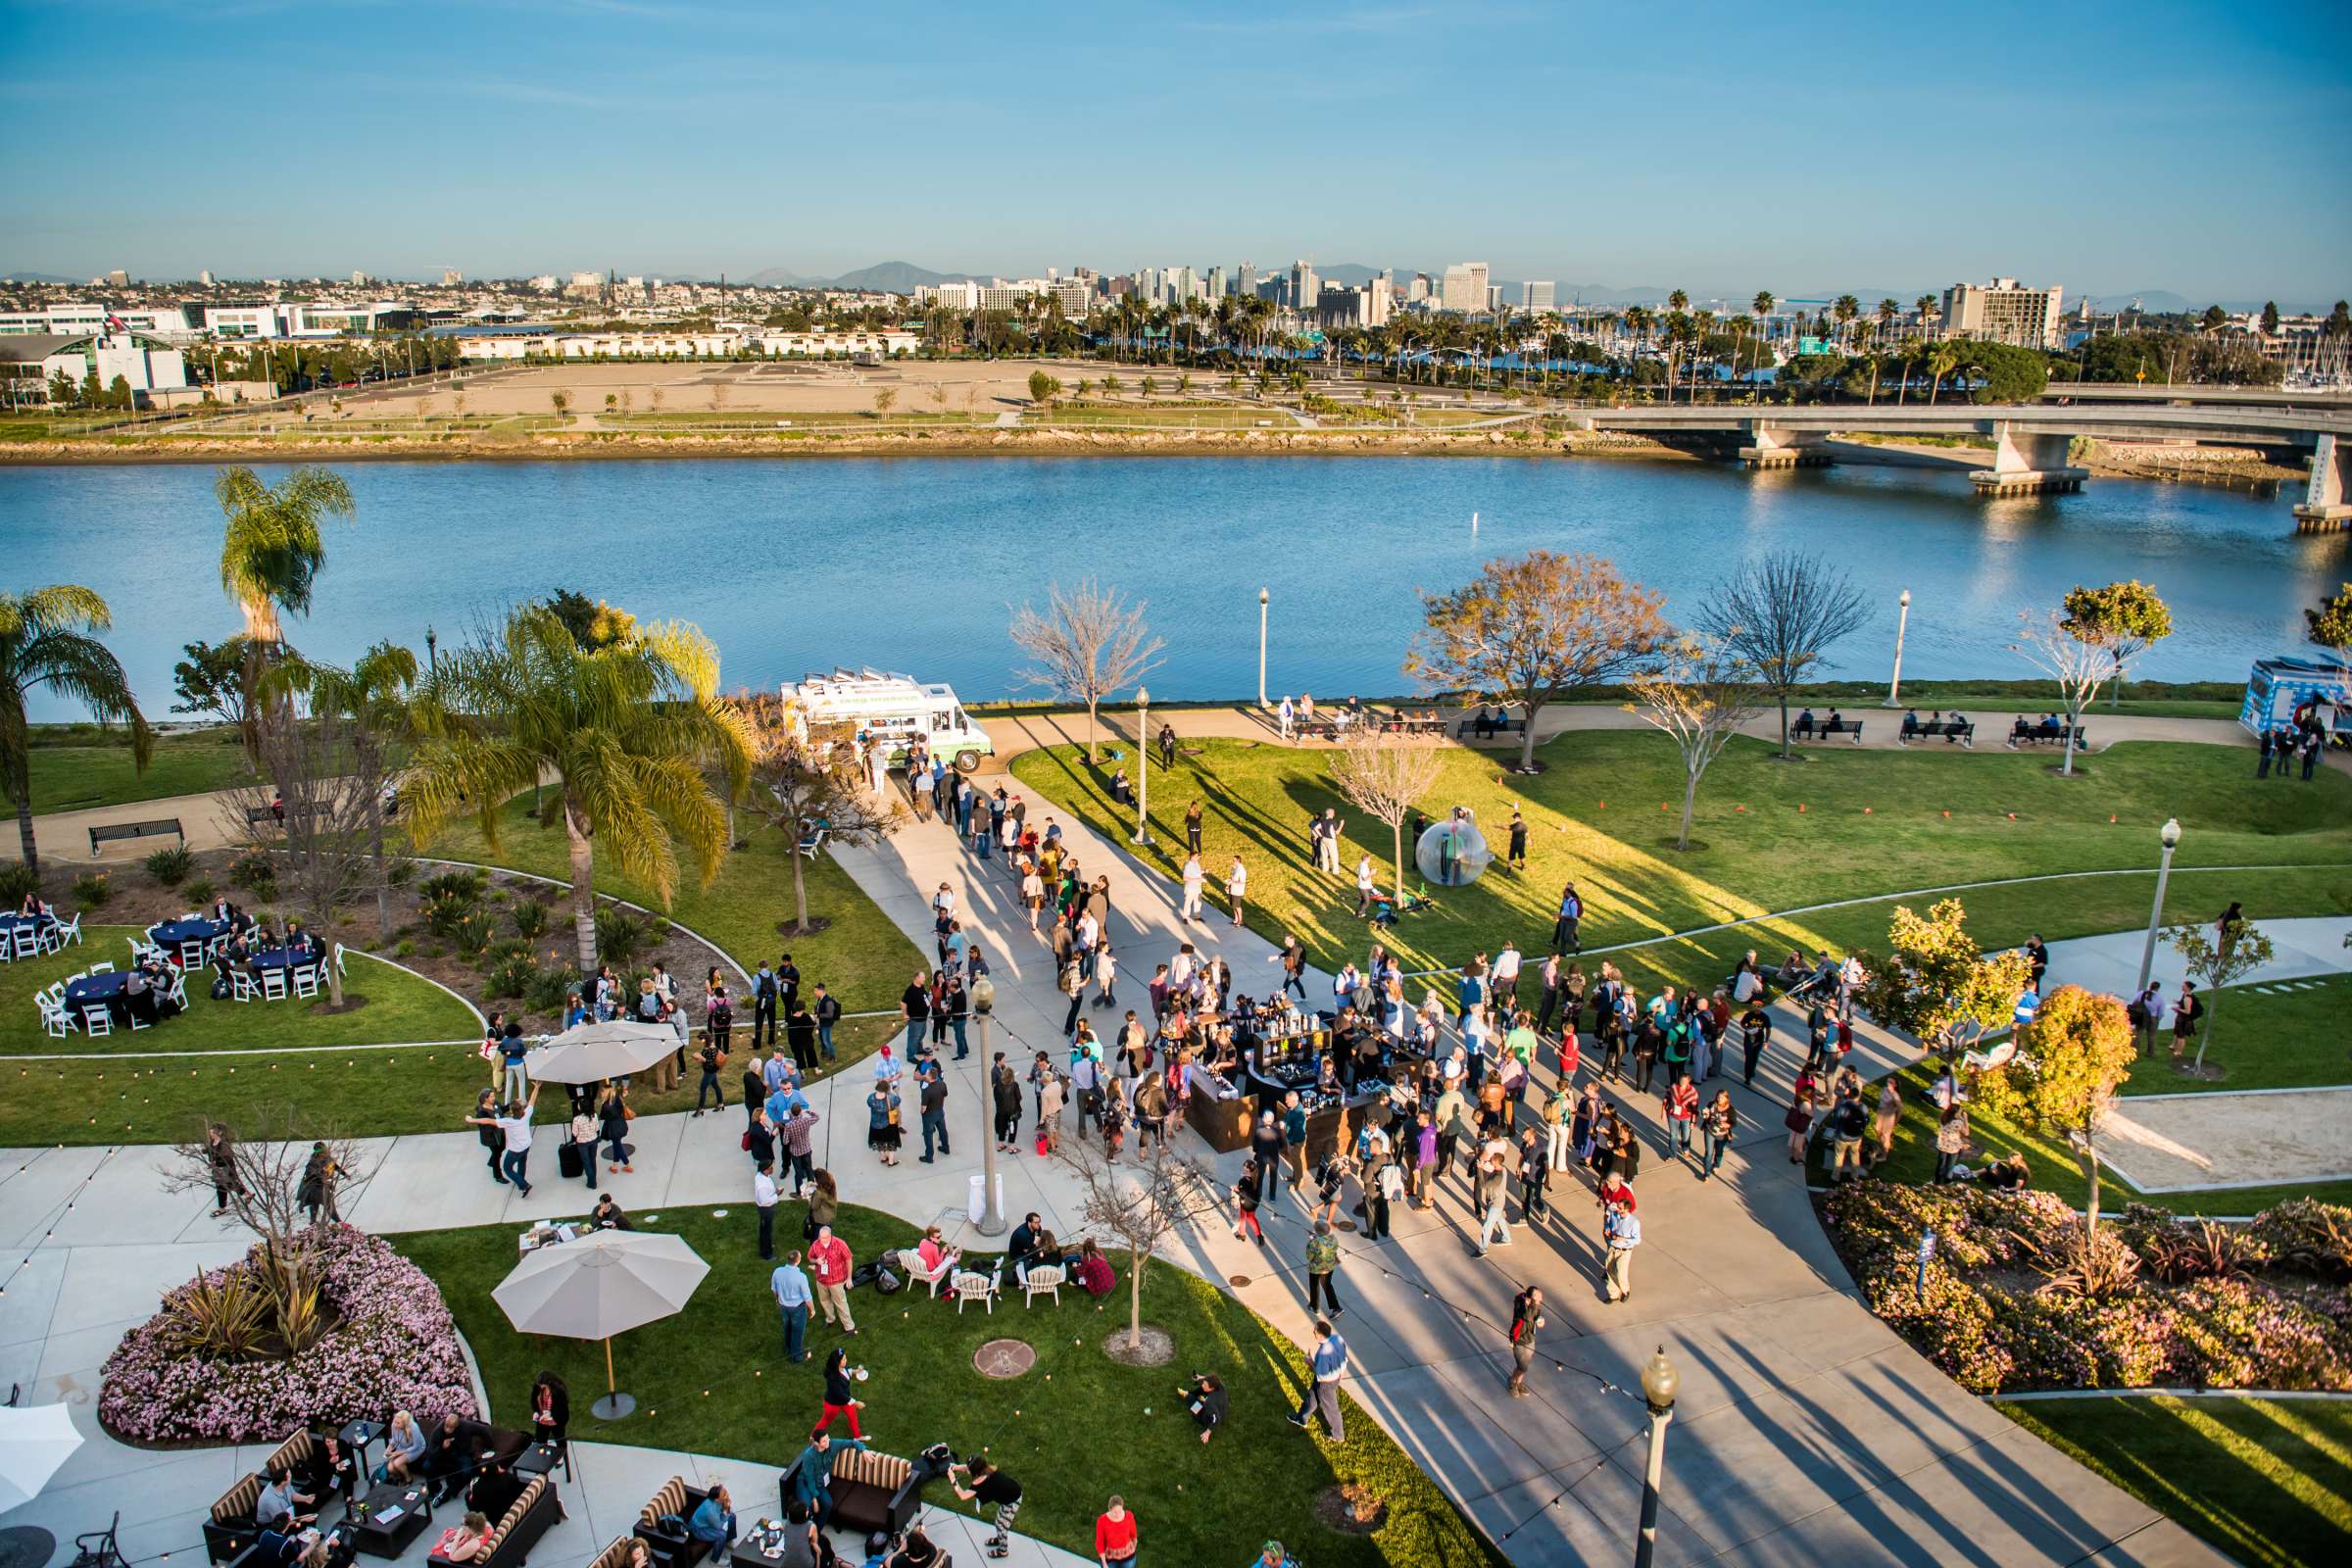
{"x":38,"y":277}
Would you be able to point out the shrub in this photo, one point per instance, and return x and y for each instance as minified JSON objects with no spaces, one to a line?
{"x":171,"y":868}
{"x":445,"y":907}
{"x":404,"y":947}
{"x":17,"y":883}
{"x":2178,"y":1251}
{"x":550,"y":989}
{"x":400,"y":873}
{"x":513,"y":975}
{"x":470,"y":932}
{"x":530,"y":918}
{"x":2308,"y":1236}
{"x":464,"y":884}
{"x":254,"y":872}
{"x":89,"y":892}
{"x":619,"y":935}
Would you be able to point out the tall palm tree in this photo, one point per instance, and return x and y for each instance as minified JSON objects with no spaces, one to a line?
{"x":1760,"y":307}
{"x":273,"y":552}
{"x":1846,"y":310}
{"x":45,"y":640}
{"x":1923,"y":305}
{"x":1941,"y":361}
{"x":624,"y":731}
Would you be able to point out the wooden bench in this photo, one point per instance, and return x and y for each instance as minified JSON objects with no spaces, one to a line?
{"x":2034,"y":735}
{"x":1955,"y":732}
{"x":255,"y":815}
{"x":1827,"y":729}
{"x":1466,"y":727}
{"x":122,"y":832}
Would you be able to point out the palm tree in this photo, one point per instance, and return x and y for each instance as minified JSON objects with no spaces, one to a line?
{"x":271,"y":550}
{"x":1846,"y":310}
{"x":624,"y":732}
{"x":45,"y":641}
{"x":1941,"y":361}
{"x":1761,"y":306}
{"x":1923,"y":305}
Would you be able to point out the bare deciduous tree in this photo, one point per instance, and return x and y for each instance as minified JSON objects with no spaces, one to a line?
{"x":1528,"y":631}
{"x":1141,"y":1204}
{"x":1699,"y":696}
{"x":260,"y":1179}
{"x":1781,"y":613}
{"x":1088,"y":644}
{"x":2078,"y":667}
{"x":1385,"y":775}
{"x":801,"y":783}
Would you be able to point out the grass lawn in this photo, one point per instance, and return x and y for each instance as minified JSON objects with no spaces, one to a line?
{"x":77,"y":766}
{"x":2268,"y":1038}
{"x":1870,"y":822}
{"x":860,"y":956}
{"x":2267,"y":1481}
{"x":712,"y":1380}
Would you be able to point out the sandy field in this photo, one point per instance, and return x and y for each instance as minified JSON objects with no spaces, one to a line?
{"x":780,"y":386}
{"x":2176,"y":1143}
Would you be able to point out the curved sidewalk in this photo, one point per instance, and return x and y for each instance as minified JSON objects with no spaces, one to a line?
{"x":1807,"y":1431}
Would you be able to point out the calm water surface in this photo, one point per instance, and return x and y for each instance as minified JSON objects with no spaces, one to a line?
{"x":910,"y":564}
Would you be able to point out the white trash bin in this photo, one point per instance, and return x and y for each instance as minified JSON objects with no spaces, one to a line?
{"x":976,"y":1203}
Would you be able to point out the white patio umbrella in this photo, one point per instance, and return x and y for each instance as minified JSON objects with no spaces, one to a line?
{"x":593,"y":1051}
{"x":599,"y":1285}
{"x":34,"y":1440}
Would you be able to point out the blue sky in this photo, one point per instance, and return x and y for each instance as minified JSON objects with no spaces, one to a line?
{"x":1799,"y":147}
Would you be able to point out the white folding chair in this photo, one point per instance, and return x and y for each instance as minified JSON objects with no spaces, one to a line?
{"x":1042,"y":1282}
{"x":78,"y":974}
{"x":973,"y":1286}
{"x":57,"y":991}
{"x":103,"y":967}
{"x":139,"y":949}
{"x":53,"y":1017}
{"x":70,"y":931}
{"x":191,"y":955}
{"x":273,"y":984}
{"x":97,"y":1021}
{"x":306,"y":980}
{"x":338,"y":957}
{"x":8,"y":949}
{"x":137,"y":1022}
{"x":25,"y":942}
{"x":241,"y":985}
{"x":180,"y":988}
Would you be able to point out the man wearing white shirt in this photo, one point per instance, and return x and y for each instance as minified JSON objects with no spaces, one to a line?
{"x":763,"y":1198}
{"x":1237,"y":884}
{"x":1506,"y":976}
{"x":1193,"y":877}
{"x":1284,"y":714}
{"x":1366,"y":886}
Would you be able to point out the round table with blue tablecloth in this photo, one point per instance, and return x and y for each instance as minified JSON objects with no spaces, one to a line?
{"x":169,"y":934}
{"x":41,"y":925}
{"x":111,"y":992}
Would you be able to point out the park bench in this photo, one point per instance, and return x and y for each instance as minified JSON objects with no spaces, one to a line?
{"x":255,"y":815}
{"x":1467,"y":726}
{"x":117,"y":832}
{"x":1401,"y":724}
{"x":1955,"y":732}
{"x":1827,"y":729}
{"x":2034,"y":735}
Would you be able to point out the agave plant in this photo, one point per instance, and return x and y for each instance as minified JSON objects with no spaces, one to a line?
{"x":2094,"y":1267}
{"x":221,"y":1315}
{"x":2177,"y":1252}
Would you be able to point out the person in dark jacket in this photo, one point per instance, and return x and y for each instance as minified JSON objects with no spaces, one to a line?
{"x":1204,"y":1397}
{"x":551,"y":1408}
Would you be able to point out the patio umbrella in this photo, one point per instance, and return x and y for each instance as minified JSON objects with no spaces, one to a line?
{"x":599,"y":1285}
{"x":33,"y":1442}
{"x":593,"y":1051}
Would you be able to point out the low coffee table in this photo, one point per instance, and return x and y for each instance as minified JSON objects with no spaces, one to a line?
{"x":372,"y":1534}
{"x":752,"y":1550}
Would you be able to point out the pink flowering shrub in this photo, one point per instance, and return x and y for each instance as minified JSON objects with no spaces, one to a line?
{"x":394,"y":1346}
{"x":1990,"y":1320}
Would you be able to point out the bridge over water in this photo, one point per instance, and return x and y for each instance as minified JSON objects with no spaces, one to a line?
{"x":2030,"y":442}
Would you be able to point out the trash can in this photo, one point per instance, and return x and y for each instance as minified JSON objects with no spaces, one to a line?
{"x":976,"y":1205}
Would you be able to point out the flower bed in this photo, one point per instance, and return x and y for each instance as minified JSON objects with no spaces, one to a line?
{"x":2011,"y":1302}
{"x":393,"y":1346}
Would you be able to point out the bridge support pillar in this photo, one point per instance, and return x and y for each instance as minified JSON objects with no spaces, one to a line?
{"x":1771,"y":448}
{"x":2327,"y":504}
{"x":2025,"y":464}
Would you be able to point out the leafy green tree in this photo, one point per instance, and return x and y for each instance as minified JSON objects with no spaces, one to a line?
{"x":46,"y":640}
{"x":2213,"y":318}
{"x":624,"y":731}
{"x":2123,"y":617}
{"x":2216,"y":959}
{"x":2064,"y":1076}
{"x":1935,"y":983}
{"x":2269,"y":319}
{"x":209,"y":680}
{"x":1044,"y":388}
{"x":592,"y":622}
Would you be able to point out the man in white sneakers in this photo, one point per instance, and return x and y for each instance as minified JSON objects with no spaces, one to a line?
{"x":1193,"y":877}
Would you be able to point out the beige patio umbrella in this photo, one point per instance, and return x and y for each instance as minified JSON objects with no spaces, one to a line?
{"x":599,"y":1285}
{"x":594,"y":1052}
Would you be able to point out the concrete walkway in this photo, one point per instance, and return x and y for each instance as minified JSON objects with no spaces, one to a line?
{"x":2301,"y":948}
{"x":1807,"y":1432}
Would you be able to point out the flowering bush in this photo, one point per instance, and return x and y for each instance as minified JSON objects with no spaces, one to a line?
{"x":393,"y":1346}
{"x":2258,"y":1307}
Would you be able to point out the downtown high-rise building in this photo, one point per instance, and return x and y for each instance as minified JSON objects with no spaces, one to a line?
{"x":1464,"y":289}
{"x":1538,"y":296}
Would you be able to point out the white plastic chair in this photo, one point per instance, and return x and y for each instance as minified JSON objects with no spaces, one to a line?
{"x":912,"y":1262}
{"x":78,"y":974}
{"x":180,"y":988}
{"x":139,"y":949}
{"x":97,"y":1021}
{"x":137,"y":1022}
{"x":191,"y":955}
{"x":1043,"y":1281}
{"x":972,"y":1286}
{"x":241,"y":985}
{"x":53,"y":1017}
{"x":25,"y":942}
{"x":103,"y":967}
{"x":69,"y":931}
{"x":306,"y":980}
{"x":338,"y":957}
{"x":273,"y":985}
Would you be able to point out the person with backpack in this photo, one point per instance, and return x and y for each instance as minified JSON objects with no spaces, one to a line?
{"x":2188,"y":1012}
{"x":711,"y":1059}
{"x":764,"y":992}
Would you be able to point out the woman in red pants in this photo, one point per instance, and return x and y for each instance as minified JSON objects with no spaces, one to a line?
{"x":839,"y":1401}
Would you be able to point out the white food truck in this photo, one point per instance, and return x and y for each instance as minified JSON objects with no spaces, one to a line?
{"x":893,"y":709}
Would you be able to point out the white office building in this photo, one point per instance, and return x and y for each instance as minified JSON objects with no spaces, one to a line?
{"x":2003,"y":312}
{"x":1464,"y":289}
{"x":1538,"y":297}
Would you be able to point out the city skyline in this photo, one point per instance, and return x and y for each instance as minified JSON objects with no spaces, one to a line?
{"x":1808,"y":150}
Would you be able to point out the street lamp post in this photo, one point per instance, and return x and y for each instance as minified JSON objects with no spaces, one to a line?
{"x":432,"y":653}
{"x":1261,"y":647}
{"x":1659,"y":1384}
{"x":1143,"y":767}
{"x":991,"y":1213}
{"x":1902,"y":621}
{"x":2169,"y":836}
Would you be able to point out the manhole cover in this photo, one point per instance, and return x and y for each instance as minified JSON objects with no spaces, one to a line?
{"x":1237,"y":1281}
{"x":26,"y":1547}
{"x":1343,"y":1225}
{"x":1004,"y":1358}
